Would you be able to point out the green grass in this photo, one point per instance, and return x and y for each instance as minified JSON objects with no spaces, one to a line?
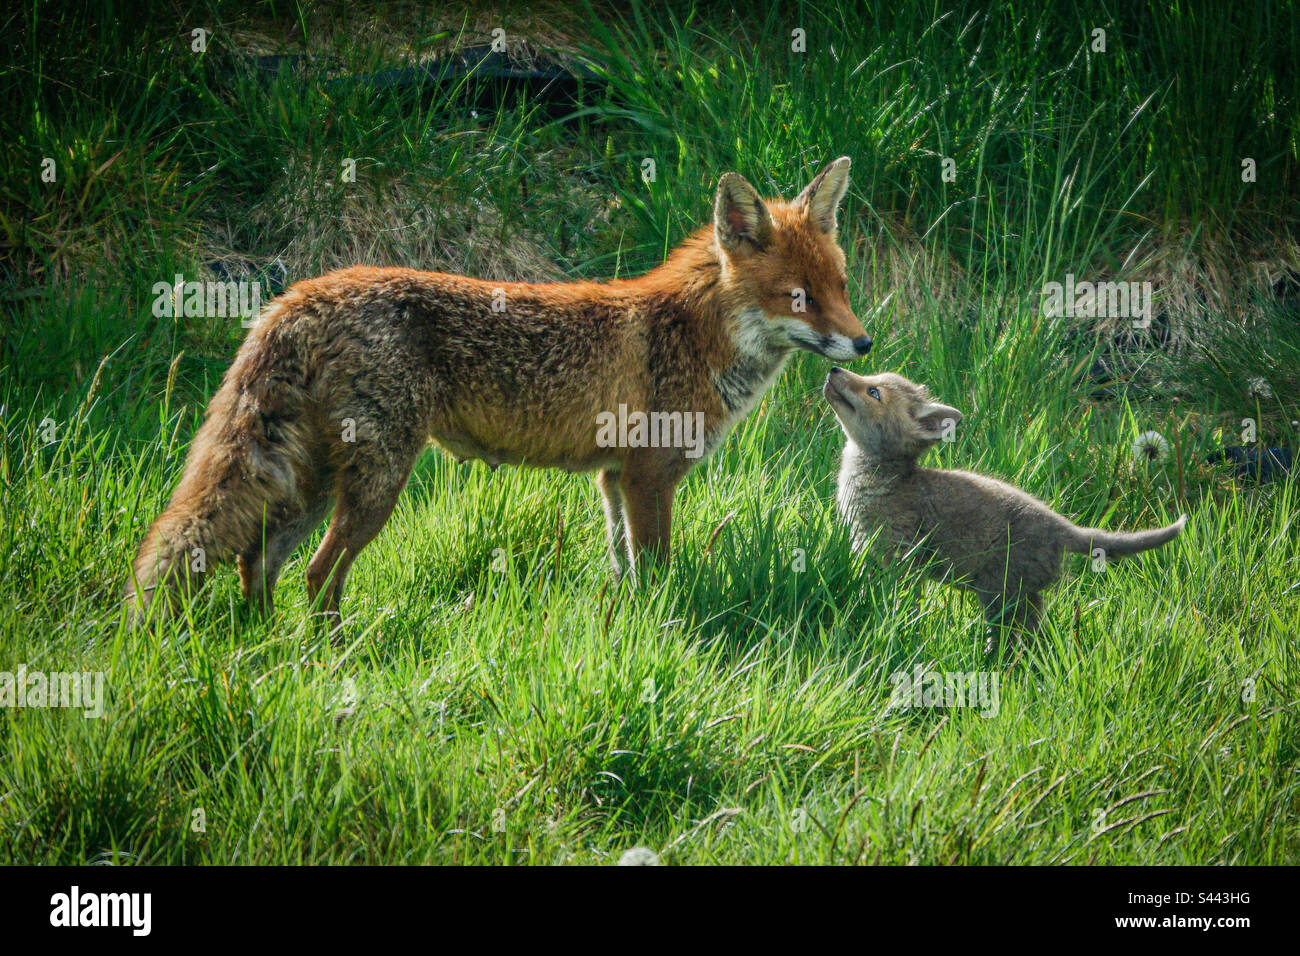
{"x":498,"y":699}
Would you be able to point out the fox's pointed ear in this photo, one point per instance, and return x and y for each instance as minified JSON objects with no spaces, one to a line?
{"x":933,"y":419}
{"x":821,"y":198}
{"x":739,"y":214}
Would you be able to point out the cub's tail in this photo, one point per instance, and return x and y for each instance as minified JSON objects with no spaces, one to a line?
{"x":1118,"y":544}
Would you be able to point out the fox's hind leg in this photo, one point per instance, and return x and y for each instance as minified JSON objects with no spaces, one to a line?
{"x":615,"y":524}
{"x":366,"y":499}
{"x":1029,"y":613}
{"x":1020,"y":612}
{"x":260,"y":565}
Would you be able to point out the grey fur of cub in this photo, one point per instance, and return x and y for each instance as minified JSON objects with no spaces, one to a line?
{"x":977,"y":532}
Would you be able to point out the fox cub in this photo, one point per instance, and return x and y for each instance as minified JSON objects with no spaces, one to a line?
{"x":345,"y":378}
{"x":977,"y":532}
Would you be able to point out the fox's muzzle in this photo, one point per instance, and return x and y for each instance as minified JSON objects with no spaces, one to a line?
{"x":862,"y":344}
{"x":829,"y":391}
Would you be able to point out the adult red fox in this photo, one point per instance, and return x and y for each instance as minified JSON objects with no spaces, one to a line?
{"x":345,"y":378}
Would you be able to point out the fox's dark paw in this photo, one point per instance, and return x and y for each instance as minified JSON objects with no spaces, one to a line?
{"x":999,"y":641}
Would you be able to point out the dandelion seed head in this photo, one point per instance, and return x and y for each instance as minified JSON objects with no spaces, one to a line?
{"x":639,"y":856}
{"x":1151,"y":446}
{"x":1258,"y":388}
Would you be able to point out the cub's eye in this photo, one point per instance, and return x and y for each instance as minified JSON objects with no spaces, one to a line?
{"x":874,"y":392}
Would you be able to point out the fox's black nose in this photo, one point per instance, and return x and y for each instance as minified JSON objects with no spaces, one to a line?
{"x":836,"y":368}
{"x":862,"y":344}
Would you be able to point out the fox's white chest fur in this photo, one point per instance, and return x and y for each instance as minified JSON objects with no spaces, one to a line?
{"x":860,"y":494}
{"x":753,"y":370}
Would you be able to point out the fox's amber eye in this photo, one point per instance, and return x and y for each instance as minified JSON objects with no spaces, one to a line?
{"x":874,"y":392}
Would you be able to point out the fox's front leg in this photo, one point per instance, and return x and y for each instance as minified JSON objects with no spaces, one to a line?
{"x":615,"y":524}
{"x":648,"y":509}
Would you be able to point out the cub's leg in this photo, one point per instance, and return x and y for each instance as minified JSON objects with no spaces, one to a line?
{"x":1021,"y":612}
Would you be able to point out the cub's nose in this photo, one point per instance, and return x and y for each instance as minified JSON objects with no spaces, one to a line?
{"x":862,"y":344}
{"x":836,"y":368}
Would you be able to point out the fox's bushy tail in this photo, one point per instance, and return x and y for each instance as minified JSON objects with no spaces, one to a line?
{"x":1118,"y":544}
{"x":174,"y":557}
{"x":246,"y":464}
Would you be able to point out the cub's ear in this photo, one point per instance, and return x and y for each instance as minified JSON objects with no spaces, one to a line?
{"x":740,"y":216}
{"x":821,"y":197}
{"x":933,"y":419}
